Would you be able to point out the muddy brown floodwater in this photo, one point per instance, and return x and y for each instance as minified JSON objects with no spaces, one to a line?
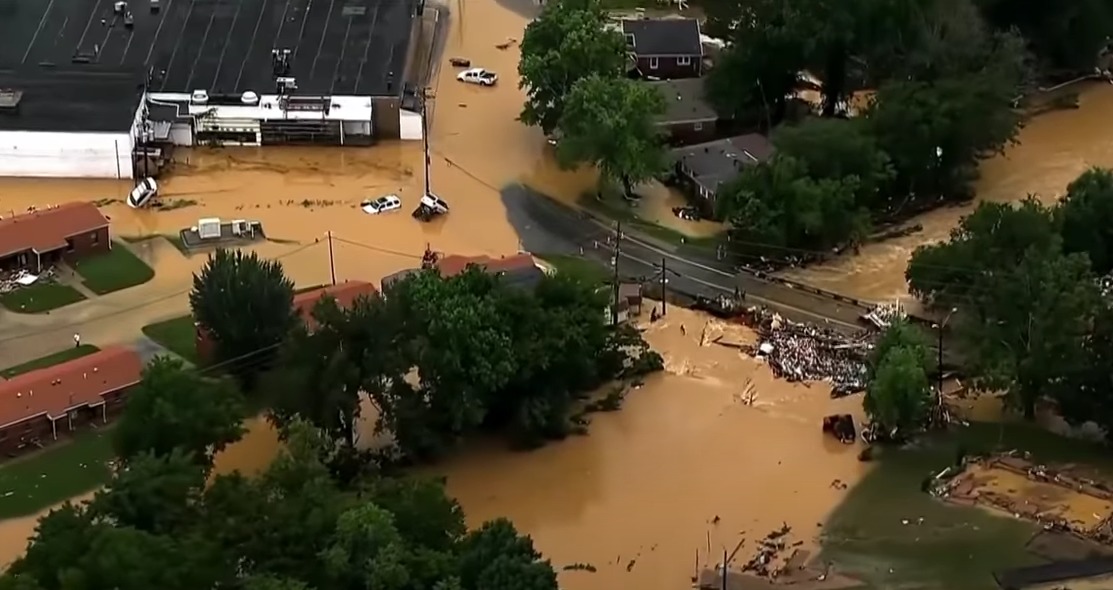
{"x":1053,"y":150}
{"x":685,"y":460}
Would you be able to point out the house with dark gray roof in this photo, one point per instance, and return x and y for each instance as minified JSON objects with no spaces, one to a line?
{"x":688,"y":117}
{"x":704,"y":167}
{"x":665,"y":48}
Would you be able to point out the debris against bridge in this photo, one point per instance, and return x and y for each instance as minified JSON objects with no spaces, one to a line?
{"x":803,"y":352}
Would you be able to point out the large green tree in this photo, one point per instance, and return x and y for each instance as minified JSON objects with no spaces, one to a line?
{"x":986,"y":246}
{"x":245,"y":303}
{"x":611,"y":124}
{"x":901,"y":334}
{"x":322,"y":375}
{"x":837,"y":149}
{"x":899,"y":396}
{"x":1027,"y":325}
{"x":780,"y":205}
{"x":291,"y":528}
{"x":569,"y":41}
{"x":1086,"y":218}
{"x":174,"y":408}
{"x":935,"y":132}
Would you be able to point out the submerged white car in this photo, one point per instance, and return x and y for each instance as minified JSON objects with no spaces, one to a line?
{"x":143,"y":192}
{"x":478,"y":76}
{"x":384,"y":204}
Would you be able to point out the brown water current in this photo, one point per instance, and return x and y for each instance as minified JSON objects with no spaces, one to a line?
{"x":1051,"y":151}
{"x":685,"y":464}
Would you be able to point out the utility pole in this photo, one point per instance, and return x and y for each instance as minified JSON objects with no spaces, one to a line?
{"x":617,"y":254}
{"x":664,"y":288}
{"x":331,"y":259}
{"x":425,"y":134}
{"x":724,"y":572}
{"x":940,"y":367}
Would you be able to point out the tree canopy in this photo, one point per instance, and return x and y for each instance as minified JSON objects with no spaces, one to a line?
{"x":245,"y":303}
{"x":567,"y":42}
{"x":1031,"y":318}
{"x":157,"y":525}
{"x":177,"y":409}
{"x":611,"y":123}
{"x":440,"y":358}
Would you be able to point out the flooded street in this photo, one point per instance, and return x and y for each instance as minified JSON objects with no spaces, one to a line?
{"x":1053,"y":149}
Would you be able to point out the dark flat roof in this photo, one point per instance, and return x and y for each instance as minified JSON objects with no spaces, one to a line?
{"x":72,"y":101}
{"x":684,"y":100}
{"x":664,"y":36}
{"x":715,"y":162}
{"x":222,"y":46}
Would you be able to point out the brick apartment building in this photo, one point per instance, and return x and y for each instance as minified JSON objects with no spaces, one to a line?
{"x":39,"y":407}
{"x":344,"y":293}
{"x":42,"y":238}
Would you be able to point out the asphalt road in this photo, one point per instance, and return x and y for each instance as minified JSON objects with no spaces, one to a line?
{"x":547,"y":226}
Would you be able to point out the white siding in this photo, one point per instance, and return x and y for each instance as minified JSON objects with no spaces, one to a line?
{"x":65,"y":155}
{"x":409,"y":125}
{"x":181,"y":133}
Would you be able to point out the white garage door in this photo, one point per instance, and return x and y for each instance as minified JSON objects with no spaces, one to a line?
{"x":73,"y":155}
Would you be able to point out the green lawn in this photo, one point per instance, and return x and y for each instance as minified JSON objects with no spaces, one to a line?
{"x":613,"y":207}
{"x":588,"y":270}
{"x":40,"y":297}
{"x":35,"y":482}
{"x":955,"y":548}
{"x":176,"y":335}
{"x":49,"y":360}
{"x":118,"y":269}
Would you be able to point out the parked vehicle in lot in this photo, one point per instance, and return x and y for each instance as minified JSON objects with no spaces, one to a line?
{"x":383,"y":204}
{"x":431,"y":206}
{"x":478,"y":76}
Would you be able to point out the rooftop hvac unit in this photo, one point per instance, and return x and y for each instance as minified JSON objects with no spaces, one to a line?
{"x":199,"y":97}
{"x":208,"y":228}
{"x":249,"y":97}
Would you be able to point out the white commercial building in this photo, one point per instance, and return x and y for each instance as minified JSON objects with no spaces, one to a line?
{"x":89,"y":88}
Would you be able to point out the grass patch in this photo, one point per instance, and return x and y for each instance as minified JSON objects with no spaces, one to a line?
{"x":40,"y":480}
{"x":577,"y":266}
{"x":118,"y":269}
{"x":613,"y":207}
{"x":40,"y":297}
{"x":49,"y":360}
{"x":175,"y":335}
{"x":954,"y":547}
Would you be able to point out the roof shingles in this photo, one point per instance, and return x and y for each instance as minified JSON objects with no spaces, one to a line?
{"x":53,"y":391}
{"x":664,"y":36}
{"x":46,"y":230}
{"x":715,"y":162}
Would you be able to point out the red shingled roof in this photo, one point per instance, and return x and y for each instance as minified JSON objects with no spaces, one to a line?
{"x":54,"y":391}
{"x":47,"y":229}
{"x":345,"y":294}
{"x":454,"y":264}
